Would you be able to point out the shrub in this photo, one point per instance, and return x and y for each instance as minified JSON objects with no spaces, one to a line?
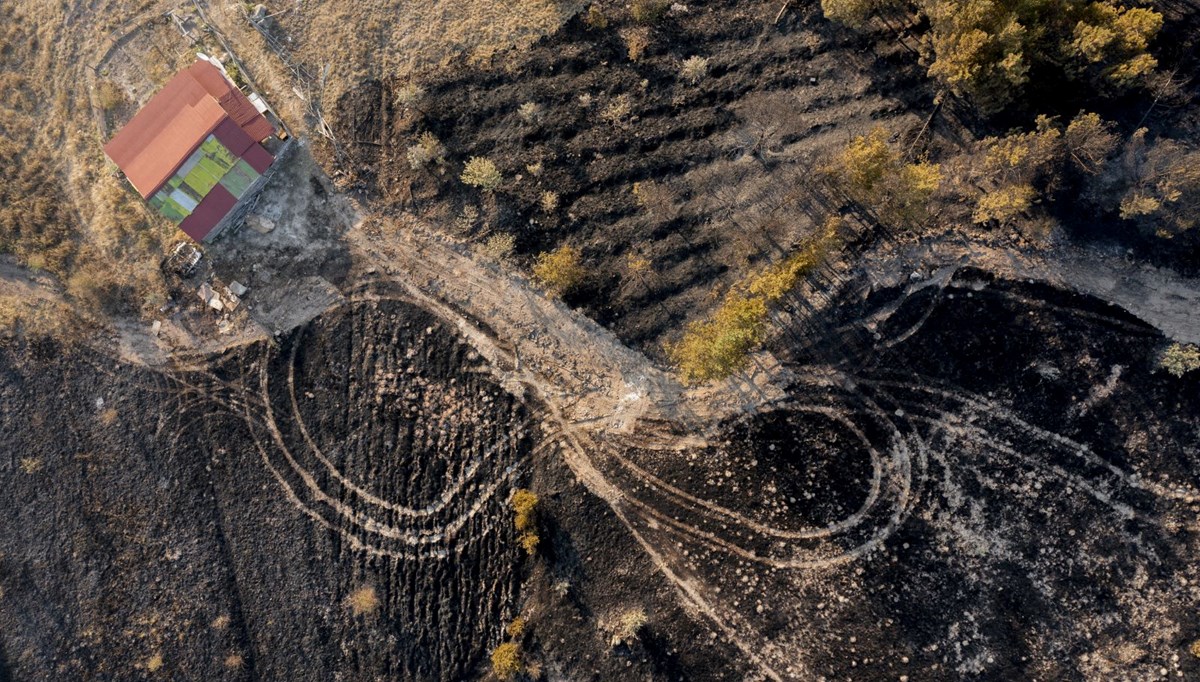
{"x":637,"y":265}
{"x":363,"y":601}
{"x":467,"y":221}
{"x":628,"y":626}
{"x":530,"y":112}
{"x":525,"y":502}
{"x":595,"y":18}
{"x":498,"y":247}
{"x":618,"y":109}
{"x":506,"y":660}
{"x":648,"y":11}
{"x":1179,"y":359}
{"x":530,"y":542}
{"x":109,"y":95}
{"x":482,"y":173}
{"x":694,"y":69}
{"x":549,"y":201}
{"x":516,"y":627}
{"x":853,"y":13}
{"x":409,"y":95}
{"x":560,"y":270}
{"x":428,"y":149}
{"x":636,"y":42}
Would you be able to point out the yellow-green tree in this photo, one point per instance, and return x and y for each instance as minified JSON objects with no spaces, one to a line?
{"x":987,"y":49}
{"x":873,"y":173}
{"x":560,"y":270}
{"x":1162,"y":192}
{"x":773,"y":282}
{"x":1115,"y":39}
{"x":717,"y":347}
{"x":1013,"y":168}
{"x":1089,"y":140}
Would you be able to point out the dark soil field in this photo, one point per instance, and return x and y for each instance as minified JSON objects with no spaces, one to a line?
{"x":990,"y":481}
{"x":330,"y":506}
{"x":725,"y":165}
{"x":983,"y":479}
{"x":216,"y":525}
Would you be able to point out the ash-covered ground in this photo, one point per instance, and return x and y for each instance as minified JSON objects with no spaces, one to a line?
{"x":972,"y":479}
{"x":328,"y":506}
{"x":975,"y":479}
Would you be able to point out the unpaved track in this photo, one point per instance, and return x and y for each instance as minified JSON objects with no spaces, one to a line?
{"x":584,"y":369}
{"x":1160,"y":297}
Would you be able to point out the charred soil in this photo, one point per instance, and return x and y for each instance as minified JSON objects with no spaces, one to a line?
{"x":672,"y":185}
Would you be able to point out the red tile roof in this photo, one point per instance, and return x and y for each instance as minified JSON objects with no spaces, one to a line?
{"x":233,"y":137}
{"x":258,"y":158}
{"x":215,"y":205}
{"x":161,"y":136}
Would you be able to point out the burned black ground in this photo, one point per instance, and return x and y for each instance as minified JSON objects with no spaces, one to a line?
{"x":725,"y":165}
{"x":1036,"y":508}
{"x":156,"y":520}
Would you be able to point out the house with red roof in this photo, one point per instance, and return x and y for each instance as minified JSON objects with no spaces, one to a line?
{"x":195,"y":149}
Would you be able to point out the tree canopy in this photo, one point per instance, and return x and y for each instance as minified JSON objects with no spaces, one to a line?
{"x":986,"y":49}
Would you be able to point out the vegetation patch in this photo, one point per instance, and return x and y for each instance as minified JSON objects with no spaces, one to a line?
{"x":719,"y":345}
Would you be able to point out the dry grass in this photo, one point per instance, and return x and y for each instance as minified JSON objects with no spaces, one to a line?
{"x":33,"y":316}
{"x":363,"y":601}
{"x":65,"y":213}
{"x":376,"y":38}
